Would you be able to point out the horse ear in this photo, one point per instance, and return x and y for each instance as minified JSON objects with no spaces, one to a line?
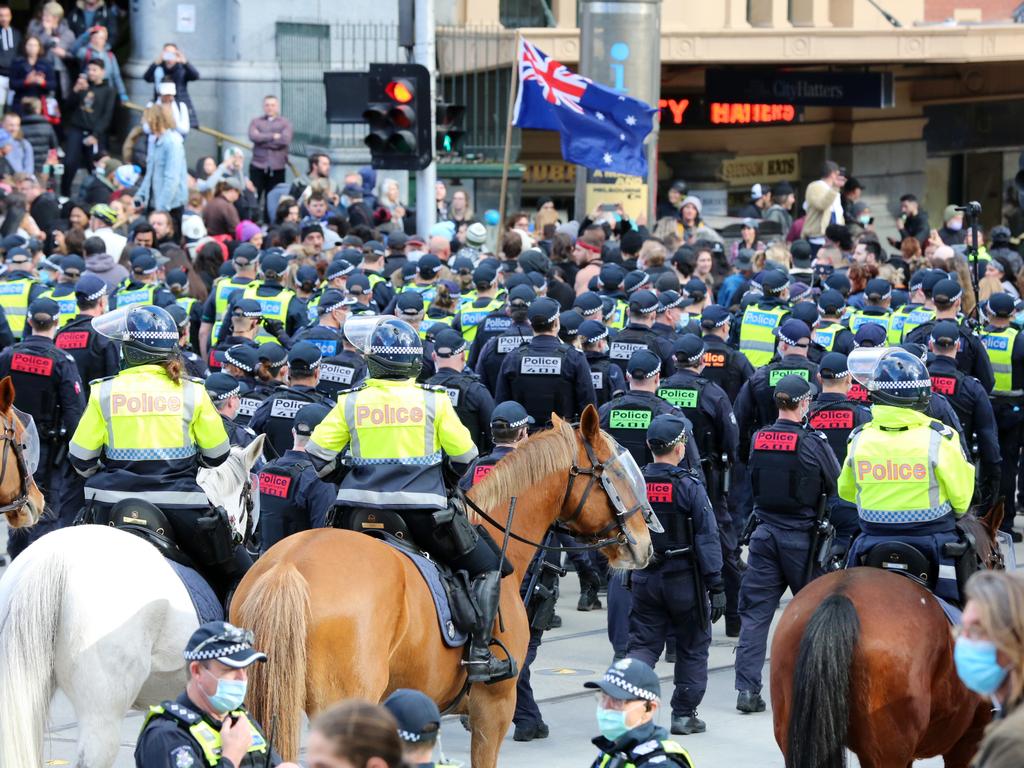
{"x":253,"y":451}
{"x":993,"y":518}
{"x":6,"y":394}
{"x":556,"y":420}
{"x":590,"y":423}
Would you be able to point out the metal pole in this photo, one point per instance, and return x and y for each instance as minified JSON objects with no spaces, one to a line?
{"x":424,"y":53}
{"x":503,"y":201}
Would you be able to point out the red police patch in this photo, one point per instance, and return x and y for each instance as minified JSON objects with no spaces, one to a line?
{"x":775,"y":441}
{"x":40,"y":366}
{"x":481,"y":471}
{"x":714,"y":360}
{"x":275,"y":485}
{"x":659,"y":493}
{"x":944,"y":385}
{"x":73,"y":340}
{"x":857,"y":393}
{"x":839,"y":419}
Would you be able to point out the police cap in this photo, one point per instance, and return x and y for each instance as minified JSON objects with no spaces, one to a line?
{"x":831,"y":301}
{"x":44,"y":309}
{"x":308,"y":417}
{"x":931,"y":279}
{"x":696,"y":288}
{"x":666,"y":430}
{"x":177,"y":313}
{"x":1001,"y":305}
{"x":449,"y":343}
{"x":946,"y":292}
{"x":543,"y":310}
{"x":176,"y":277}
{"x":945,"y":333}
{"x":878,"y":289}
{"x":800,"y":250}
{"x":241,"y":356}
{"x":643,"y":302}
{"x":358,"y":284}
{"x":221,"y":386}
{"x":273,"y":354}
{"x":245,"y":254}
{"x":339,"y":268}
{"x":142,"y":264}
{"x":870,"y":335}
{"x":807,"y":311}
{"x":90,"y":287}
{"x":629,"y":679}
{"x":689,"y":347}
{"x":794,"y":388}
{"x":521,"y":295}
{"x":592,"y":331}
{"x":671,"y":299}
{"x":569,"y":323}
{"x":485,"y":274}
{"x":839,"y":282}
{"x":510,"y":415}
{"x":773,"y":281}
{"x":588,"y":304}
{"x":305,"y":356}
{"x":330,"y":300}
{"x":634,"y":281}
{"x":610,"y":277}
{"x":792,"y":331}
{"x":833,"y":366}
{"x":428,"y":265}
{"x":643,"y":364}
{"x":223,"y":642}
{"x":409,"y":303}
{"x":72,"y":265}
{"x":418,"y":717}
{"x":247,"y":308}
{"x":714,"y":316}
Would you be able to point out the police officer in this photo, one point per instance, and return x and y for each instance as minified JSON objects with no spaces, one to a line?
{"x":672,"y":317}
{"x":69,"y":270}
{"x":905,"y":472}
{"x":226,"y":394}
{"x":282,"y":309}
{"x":629,"y":699}
{"x":1005,"y":347}
{"x":245,"y":317}
{"x":971,"y":357}
{"x":792,"y":472}
{"x":292,"y":497}
{"x":569,"y":328}
{"x":755,"y":406}
{"x":762,"y":317}
{"x":472,"y":402}
{"x":342,"y":367}
{"x":195,"y":366}
{"x":829,"y":333}
{"x":419,"y":725}
{"x":723,"y":364}
{"x":240,"y":362}
{"x":609,"y":382}
{"x":397,"y":433}
{"x":474,"y":313}
{"x":224,"y":288}
{"x":877,"y":296}
{"x":508,"y":334}
{"x":144,"y":286}
{"x":643,"y":306}
{"x":409,"y":308}
{"x":546,"y":375}
{"x":834,"y":415}
{"x":708,"y":409}
{"x":673,"y":591}
{"x":48,"y":388}
{"x":208,"y":724}
{"x":20,"y":288}
{"x":96,"y":356}
{"x":139,"y":438}
{"x":276,"y":414}
{"x":971,"y":403}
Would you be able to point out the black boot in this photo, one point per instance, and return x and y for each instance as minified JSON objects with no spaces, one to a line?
{"x":482,"y":665}
{"x":589,"y":583}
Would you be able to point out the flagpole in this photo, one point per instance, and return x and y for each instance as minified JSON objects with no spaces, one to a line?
{"x":508,"y":141}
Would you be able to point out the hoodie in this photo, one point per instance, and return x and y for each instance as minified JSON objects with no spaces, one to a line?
{"x":106,"y":268}
{"x":369,"y":176}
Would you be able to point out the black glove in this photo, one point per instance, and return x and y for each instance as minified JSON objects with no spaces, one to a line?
{"x":989,"y":482}
{"x":274,"y":327}
{"x":717,"y":595}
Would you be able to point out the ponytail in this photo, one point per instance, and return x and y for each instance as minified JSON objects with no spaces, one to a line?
{"x":174,"y":367}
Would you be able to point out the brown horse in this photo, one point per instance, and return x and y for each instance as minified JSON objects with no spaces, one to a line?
{"x":863,"y":659}
{"x":341,"y":614}
{"x":21,"y":502}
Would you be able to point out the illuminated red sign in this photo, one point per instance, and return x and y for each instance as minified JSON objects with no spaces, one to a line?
{"x":687,"y":112}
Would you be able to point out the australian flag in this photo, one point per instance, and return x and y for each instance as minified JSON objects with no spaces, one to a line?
{"x":600,"y":129}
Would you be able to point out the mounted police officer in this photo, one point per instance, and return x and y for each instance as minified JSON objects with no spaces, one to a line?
{"x":46,"y":387}
{"x":292,"y":497}
{"x":509,"y":333}
{"x":419,"y":725}
{"x":629,"y":699}
{"x":19,"y":288}
{"x":723,"y":364}
{"x":672,"y":593}
{"x":792,"y":473}
{"x":1005,"y":347}
{"x":609,"y":382}
{"x":398,"y":434}
{"x":546,"y":375}
{"x":762,"y":317}
{"x":341,"y":367}
{"x":638,"y":334}
{"x":834,"y":415}
{"x":96,"y":356}
{"x":226,"y":394}
{"x":906,"y":473}
{"x":472,"y":402}
{"x":971,"y":403}
{"x":224,"y":288}
{"x":208,"y":724}
{"x":276,"y":414}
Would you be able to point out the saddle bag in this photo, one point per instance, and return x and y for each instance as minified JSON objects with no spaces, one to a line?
{"x":964,"y":554}
{"x":215,"y":544}
{"x":454,"y":535}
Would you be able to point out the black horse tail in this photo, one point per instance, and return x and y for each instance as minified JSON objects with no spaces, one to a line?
{"x":820,"y":715}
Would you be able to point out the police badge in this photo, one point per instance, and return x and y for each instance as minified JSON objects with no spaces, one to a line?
{"x":182,"y":757}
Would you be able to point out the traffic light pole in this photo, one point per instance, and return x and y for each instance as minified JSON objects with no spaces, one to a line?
{"x":424,"y":53}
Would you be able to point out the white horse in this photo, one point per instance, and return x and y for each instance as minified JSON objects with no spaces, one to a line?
{"x":99,"y":614}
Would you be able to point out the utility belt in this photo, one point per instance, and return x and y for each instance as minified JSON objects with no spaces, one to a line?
{"x":659,"y":559}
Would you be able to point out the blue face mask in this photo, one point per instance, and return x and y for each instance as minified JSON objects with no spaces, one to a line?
{"x":611,"y":722}
{"x":45,"y":277}
{"x":977,"y":665}
{"x":229,"y":696}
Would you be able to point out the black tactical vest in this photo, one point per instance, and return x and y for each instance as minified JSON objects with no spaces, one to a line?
{"x":540,"y":384}
{"x":661,"y":493}
{"x":779,"y":480}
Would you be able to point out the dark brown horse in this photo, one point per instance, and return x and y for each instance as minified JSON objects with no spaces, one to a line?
{"x":862,"y":659}
{"x":341,"y":614}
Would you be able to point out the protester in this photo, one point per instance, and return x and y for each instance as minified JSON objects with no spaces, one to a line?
{"x":172,"y":65}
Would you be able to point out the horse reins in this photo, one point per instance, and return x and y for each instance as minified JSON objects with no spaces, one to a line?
{"x":10,"y":442}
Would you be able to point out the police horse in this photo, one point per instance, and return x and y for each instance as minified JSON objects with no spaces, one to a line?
{"x":98,"y":613}
{"x":341,"y":614}
{"x":862,"y":659}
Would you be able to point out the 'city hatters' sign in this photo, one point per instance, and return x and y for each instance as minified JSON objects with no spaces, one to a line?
{"x":813,"y":89}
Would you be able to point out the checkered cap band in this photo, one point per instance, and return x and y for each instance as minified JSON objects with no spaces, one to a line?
{"x":93,"y":296}
{"x":674,"y":441}
{"x":788,"y":340}
{"x":892,"y":385}
{"x":641,"y":311}
{"x":640,"y":693}
{"x":516,"y":424}
{"x":706,"y":323}
{"x":588,"y":312}
{"x":382,"y":350}
{"x":217,"y":653}
{"x":833,"y":375}
{"x":409,"y":736}
{"x":147,"y":335}
{"x":675,"y":303}
{"x":226,"y":395}
{"x":237,"y":363}
{"x":603,"y":335}
{"x":325,"y":308}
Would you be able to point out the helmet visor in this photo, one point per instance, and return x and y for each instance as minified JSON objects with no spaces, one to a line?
{"x":29,"y":440}
{"x":625,"y":485}
{"x":863,"y":361}
{"x":113,"y":325}
{"x":359,"y":330}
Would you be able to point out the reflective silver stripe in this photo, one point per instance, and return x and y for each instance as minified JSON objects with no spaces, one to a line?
{"x":184,"y":498}
{"x":218,"y":450}
{"x":763,"y":346}
{"x":428,"y":422}
{"x":468,"y":456}
{"x":82,"y":453}
{"x":430,"y":460}
{"x":934,"y":441}
{"x":188,"y":411}
{"x":105,"y":391}
{"x":320,"y":452}
{"x":350,"y":419}
{"x":850,"y":452}
{"x":15,"y":311}
{"x":1001,"y":368}
{"x":391,"y":498}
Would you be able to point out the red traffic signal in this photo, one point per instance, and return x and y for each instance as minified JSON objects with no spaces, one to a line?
{"x":400,"y":90}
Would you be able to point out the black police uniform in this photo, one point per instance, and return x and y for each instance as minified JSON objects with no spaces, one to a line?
{"x":672,"y":592}
{"x":727,"y":367}
{"x":496,"y":349}
{"x":48,"y":388}
{"x":471,"y":400}
{"x":545,"y":376}
{"x":608,"y":379}
{"x":165,"y":741}
{"x":755,"y":406}
{"x":971,"y":358}
{"x":292,"y":498}
{"x":494,"y":324}
{"x":96,"y":356}
{"x":1008,"y":408}
{"x":274,"y":416}
{"x":254,"y":392}
{"x":627,"y":418}
{"x":238,"y":434}
{"x":639,"y":746}
{"x":637,"y":336}
{"x":340,"y":368}
{"x":195,"y":366}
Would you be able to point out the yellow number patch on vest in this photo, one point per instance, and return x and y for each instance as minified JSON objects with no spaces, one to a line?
{"x":131,"y":404}
{"x":388,"y":415}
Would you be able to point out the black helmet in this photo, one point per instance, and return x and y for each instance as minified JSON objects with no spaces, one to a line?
{"x":392,"y":347}
{"x":148,"y":334}
{"x":901,"y":379}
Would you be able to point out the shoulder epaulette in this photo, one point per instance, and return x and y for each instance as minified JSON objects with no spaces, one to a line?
{"x":352,"y":389}
{"x":942,"y":429}
{"x":175,"y":711}
{"x":94,"y":382}
{"x":432,"y":387}
{"x":196,"y":380}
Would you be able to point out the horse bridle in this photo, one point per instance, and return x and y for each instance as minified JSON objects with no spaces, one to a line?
{"x":9,"y":438}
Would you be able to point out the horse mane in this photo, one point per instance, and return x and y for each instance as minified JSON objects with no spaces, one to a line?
{"x":553,"y":450}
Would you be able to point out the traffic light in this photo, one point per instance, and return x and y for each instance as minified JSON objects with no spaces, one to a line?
{"x":449,"y":131}
{"x":397,"y":112}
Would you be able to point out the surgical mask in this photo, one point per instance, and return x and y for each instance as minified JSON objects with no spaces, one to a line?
{"x":865,"y":220}
{"x":977,"y":666}
{"x":954,"y":226}
{"x":229,"y":695}
{"x":611,"y":722}
{"x":45,"y":277}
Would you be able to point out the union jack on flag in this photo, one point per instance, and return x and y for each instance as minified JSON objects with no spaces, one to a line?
{"x":558,"y":84}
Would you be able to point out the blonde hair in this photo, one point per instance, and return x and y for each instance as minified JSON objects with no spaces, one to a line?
{"x":54,"y":9}
{"x":780,"y":255}
{"x":652,"y":254}
{"x":157,"y":120}
{"x":999,"y":597}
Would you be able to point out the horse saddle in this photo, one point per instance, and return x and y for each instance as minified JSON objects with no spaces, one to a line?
{"x":148,"y":522}
{"x":905,"y":559}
